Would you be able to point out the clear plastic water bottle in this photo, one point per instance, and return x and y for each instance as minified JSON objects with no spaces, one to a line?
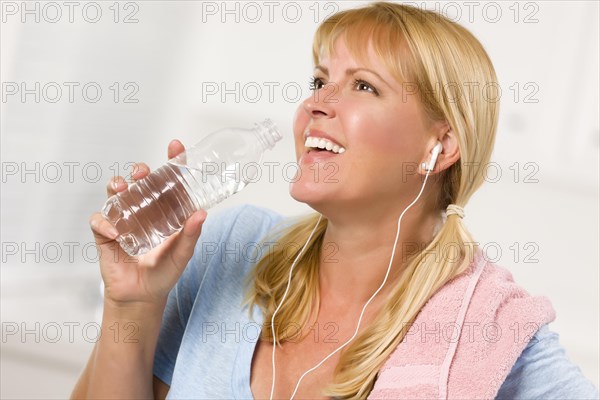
{"x":153,"y":208}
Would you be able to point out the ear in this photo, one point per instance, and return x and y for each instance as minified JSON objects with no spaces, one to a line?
{"x":450,"y":152}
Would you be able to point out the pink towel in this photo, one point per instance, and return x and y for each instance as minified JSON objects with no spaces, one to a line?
{"x":466,"y":338}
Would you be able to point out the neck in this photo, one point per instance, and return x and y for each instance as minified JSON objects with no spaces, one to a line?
{"x":356,"y":251}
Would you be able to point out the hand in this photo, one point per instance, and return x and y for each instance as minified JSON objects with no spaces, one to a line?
{"x":145,"y":279}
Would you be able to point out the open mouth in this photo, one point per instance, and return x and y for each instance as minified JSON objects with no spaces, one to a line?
{"x":323,"y":145}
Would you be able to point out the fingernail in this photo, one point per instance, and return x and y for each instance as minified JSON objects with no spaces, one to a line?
{"x":196,"y":217}
{"x":200,"y":216}
{"x":137,"y":173}
{"x":112,"y":232}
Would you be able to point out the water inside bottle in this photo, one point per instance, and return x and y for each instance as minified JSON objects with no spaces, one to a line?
{"x":154,"y":208}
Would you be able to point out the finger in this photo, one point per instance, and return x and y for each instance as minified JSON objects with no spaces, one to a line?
{"x":103,"y":231}
{"x":115,"y":185}
{"x":175,"y":148}
{"x":183,"y":246}
{"x":139,"y":171}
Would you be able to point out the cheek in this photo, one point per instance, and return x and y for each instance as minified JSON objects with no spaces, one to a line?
{"x":376,"y":132}
{"x":387,"y":139}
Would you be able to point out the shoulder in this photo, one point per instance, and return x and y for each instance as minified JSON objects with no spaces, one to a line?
{"x":510,"y":300}
{"x":543,"y":370}
{"x":497,"y":318}
{"x":243,"y":222}
{"x":486,"y":293}
{"x":494,"y":293}
{"x":507,"y":316}
{"x":243,"y":215}
{"x":498,"y":303}
{"x":230,"y":242}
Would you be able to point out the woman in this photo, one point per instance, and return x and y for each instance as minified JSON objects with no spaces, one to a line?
{"x":356,"y":311}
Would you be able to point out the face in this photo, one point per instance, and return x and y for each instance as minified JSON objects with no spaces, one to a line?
{"x":362,"y":109}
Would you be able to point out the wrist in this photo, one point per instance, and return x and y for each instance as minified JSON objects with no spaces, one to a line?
{"x":133,"y":311}
{"x":131,"y":327}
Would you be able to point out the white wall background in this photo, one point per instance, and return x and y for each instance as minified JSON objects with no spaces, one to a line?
{"x":544,"y":203}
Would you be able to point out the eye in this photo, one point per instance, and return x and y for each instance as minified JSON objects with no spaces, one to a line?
{"x":315,"y":83}
{"x":364,"y":85}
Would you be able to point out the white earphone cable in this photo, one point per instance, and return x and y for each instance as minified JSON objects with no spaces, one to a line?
{"x":280,"y":304}
{"x":364,"y":307}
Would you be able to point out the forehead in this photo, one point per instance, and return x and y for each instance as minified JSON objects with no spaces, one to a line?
{"x":365,"y":52}
{"x":342,"y":57}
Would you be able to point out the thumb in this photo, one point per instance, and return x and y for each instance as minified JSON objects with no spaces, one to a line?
{"x":185,"y":242}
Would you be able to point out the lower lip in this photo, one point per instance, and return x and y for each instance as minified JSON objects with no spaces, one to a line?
{"x":313,"y":156}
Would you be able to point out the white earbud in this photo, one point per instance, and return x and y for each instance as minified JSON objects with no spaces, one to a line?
{"x":434,"y":155}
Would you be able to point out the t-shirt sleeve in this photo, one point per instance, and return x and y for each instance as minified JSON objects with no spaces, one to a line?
{"x":182,"y":297}
{"x":543,"y":371}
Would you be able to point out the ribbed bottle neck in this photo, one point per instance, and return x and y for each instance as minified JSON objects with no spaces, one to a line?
{"x":267,"y":134}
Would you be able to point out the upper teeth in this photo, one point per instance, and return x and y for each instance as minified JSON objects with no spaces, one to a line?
{"x":323,"y":144}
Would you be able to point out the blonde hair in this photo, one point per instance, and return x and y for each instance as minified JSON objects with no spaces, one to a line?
{"x":440,"y":59}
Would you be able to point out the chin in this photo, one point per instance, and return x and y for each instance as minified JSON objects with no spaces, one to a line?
{"x":314,"y":196}
{"x":309,"y":193}
{"x":303,"y":194}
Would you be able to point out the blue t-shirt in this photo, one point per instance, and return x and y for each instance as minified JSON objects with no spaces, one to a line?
{"x":207,"y":340}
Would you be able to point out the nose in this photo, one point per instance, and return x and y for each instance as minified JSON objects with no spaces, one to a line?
{"x":321,"y":103}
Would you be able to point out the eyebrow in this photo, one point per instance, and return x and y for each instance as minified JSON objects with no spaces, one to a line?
{"x":351,"y":71}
